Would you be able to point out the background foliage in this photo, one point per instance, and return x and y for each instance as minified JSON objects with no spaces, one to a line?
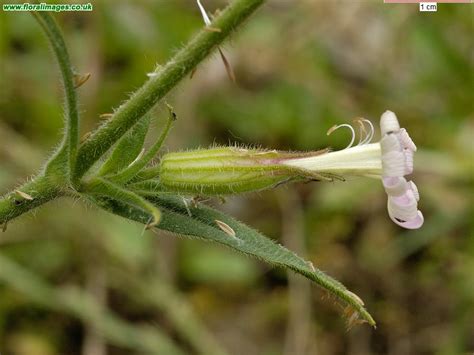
{"x":300,"y":69}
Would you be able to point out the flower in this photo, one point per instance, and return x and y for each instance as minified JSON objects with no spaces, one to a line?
{"x":397,"y":160}
{"x":232,"y":170}
{"x":390,"y":159}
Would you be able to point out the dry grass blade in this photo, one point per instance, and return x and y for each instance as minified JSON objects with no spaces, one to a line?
{"x":212,"y":29}
{"x":228,"y":67}
{"x":225,"y":228}
{"x":24,"y":195}
{"x":80,"y":79}
{"x":106,"y":116}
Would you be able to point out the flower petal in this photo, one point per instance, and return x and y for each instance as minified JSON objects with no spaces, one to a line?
{"x":393,"y":164}
{"x":413,"y":223}
{"x":408,"y":161}
{"x":405,"y":140}
{"x":413,"y":188}
{"x":395,"y":186}
{"x":397,"y":149}
{"x":403,"y":207}
{"x":390,"y":142}
{"x":389,"y":123}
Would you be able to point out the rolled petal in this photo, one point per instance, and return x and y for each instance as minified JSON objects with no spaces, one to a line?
{"x":414,"y":189}
{"x":390,"y":143}
{"x":389,"y":123}
{"x":405,"y":140}
{"x":413,"y":223}
{"x":393,"y":164}
{"x":403,"y":207}
{"x":395,"y":186}
{"x":395,"y":139}
{"x":408,"y":161}
{"x":397,"y":149}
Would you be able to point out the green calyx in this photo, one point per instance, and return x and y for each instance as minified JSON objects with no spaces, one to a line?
{"x":229,"y":170}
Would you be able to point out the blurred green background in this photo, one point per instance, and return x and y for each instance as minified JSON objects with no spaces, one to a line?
{"x":76,"y":280}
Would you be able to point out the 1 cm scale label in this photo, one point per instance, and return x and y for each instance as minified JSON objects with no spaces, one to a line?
{"x":428,"y":7}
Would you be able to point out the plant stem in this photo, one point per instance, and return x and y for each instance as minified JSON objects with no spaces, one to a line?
{"x":40,"y":189}
{"x":159,"y":85}
{"x":50,"y":184}
{"x":70,"y":142}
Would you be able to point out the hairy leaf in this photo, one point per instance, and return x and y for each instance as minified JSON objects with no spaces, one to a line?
{"x":132,"y":170}
{"x":209,"y":224}
{"x":127,"y":149}
{"x":105,"y":188}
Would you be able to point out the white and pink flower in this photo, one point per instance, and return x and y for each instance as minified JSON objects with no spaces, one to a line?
{"x":397,"y":150}
{"x":391,"y":159}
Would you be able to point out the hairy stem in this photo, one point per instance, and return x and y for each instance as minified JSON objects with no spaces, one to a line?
{"x":55,"y":37}
{"x":50,"y":184}
{"x":37,"y":192}
{"x":159,"y":85}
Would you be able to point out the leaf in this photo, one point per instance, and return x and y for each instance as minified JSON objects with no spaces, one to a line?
{"x":133,"y":169}
{"x":102,"y":187}
{"x":127,"y":149}
{"x":200,"y":222}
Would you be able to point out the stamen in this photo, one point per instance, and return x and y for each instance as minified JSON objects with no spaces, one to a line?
{"x":333,"y":128}
{"x":369,"y":137}
{"x":205,"y":17}
{"x":362,"y":130}
{"x":365,"y":137}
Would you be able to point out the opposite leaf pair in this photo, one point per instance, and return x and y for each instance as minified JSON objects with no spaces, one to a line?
{"x":125,"y":162}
